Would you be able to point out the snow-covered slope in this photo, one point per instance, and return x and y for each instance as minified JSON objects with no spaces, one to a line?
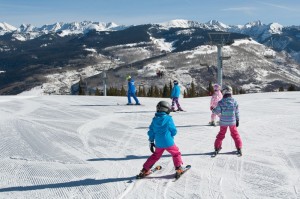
{"x":91,"y":147}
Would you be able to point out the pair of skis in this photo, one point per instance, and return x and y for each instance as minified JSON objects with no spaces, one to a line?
{"x":157,"y":168}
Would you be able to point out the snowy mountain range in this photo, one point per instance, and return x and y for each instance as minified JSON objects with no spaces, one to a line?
{"x":252,"y":28}
{"x":58,"y":54}
{"x":28,"y":31}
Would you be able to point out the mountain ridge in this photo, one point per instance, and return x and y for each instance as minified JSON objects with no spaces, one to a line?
{"x":26,"y":61}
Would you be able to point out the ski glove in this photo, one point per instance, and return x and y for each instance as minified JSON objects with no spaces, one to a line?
{"x":152,"y":145}
{"x":237,"y":123}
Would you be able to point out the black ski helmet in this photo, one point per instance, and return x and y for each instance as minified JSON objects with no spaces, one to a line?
{"x":227,"y":90}
{"x":175,"y":82}
{"x":163,"y":106}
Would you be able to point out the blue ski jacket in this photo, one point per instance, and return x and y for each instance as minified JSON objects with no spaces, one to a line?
{"x":162,"y":130}
{"x":175,"y":91}
{"x":131,"y":87}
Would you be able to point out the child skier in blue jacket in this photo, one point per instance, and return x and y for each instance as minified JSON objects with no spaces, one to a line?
{"x":175,"y":96}
{"x":161,"y":132}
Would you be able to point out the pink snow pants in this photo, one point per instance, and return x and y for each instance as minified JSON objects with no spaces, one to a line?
{"x":234,"y":134}
{"x":173,"y":150}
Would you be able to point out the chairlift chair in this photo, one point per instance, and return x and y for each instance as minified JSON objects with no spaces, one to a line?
{"x":226,"y":57}
{"x":203,"y":63}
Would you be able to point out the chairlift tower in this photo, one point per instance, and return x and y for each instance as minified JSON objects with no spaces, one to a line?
{"x":220,"y":39}
{"x":104,"y":76}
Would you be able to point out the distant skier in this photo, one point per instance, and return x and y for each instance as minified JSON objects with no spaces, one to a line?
{"x":229,"y":110}
{"x":131,"y":92}
{"x":161,"y":137}
{"x":215,"y":98}
{"x":175,"y":96}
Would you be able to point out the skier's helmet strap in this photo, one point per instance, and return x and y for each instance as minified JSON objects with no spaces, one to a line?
{"x":163,"y":106}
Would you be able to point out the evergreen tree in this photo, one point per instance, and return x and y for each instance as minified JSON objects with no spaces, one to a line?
{"x":81,"y":87}
{"x":156,"y":92}
{"x":192,"y":90}
{"x":150,"y":92}
{"x":170,"y":88}
{"x":184,"y":94}
{"x":281,"y":89}
{"x":97,"y":92}
{"x":166,"y":91}
{"x":144,"y":92}
{"x":291,"y":88}
{"x":242,"y":91}
{"x":210,"y":89}
{"x":234,"y":90}
{"x":123,"y":91}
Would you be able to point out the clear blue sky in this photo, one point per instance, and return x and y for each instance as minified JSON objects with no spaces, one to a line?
{"x":135,"y":12}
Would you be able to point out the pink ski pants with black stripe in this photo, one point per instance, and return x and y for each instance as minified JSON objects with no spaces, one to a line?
{"x":234,"y":134}
{"x":173,"y":150}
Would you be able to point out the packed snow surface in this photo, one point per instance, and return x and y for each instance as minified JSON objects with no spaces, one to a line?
{"x":92,"y":147}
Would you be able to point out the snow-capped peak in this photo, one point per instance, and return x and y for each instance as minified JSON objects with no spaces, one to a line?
{"x":216,"y":23}
{"x":26,"y":28}
{"x":6,"y":27}
{"x":275,"y":28}
{"x":181,"y":23}
{"x":254,"y":23}
{"x":178,"y":23}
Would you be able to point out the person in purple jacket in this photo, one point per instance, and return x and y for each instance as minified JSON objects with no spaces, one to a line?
{"x":175,"y":96}
{"x":161,"y":137}
{"x":229,"y":110}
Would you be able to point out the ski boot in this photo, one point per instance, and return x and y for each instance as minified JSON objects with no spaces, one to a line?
{"x":239,"y":152}
{"x":179,"y":109}
{"x":179,"y":171}
{"x":143,"y":173}
{"x":212,"y":123}
{"x":216,"y":152}
{"x":173,"y":109}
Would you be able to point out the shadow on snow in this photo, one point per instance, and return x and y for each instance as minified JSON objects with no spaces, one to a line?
{"x":134,"y":157}
{"x":85,"y":182}
{"x":91,"y":182}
